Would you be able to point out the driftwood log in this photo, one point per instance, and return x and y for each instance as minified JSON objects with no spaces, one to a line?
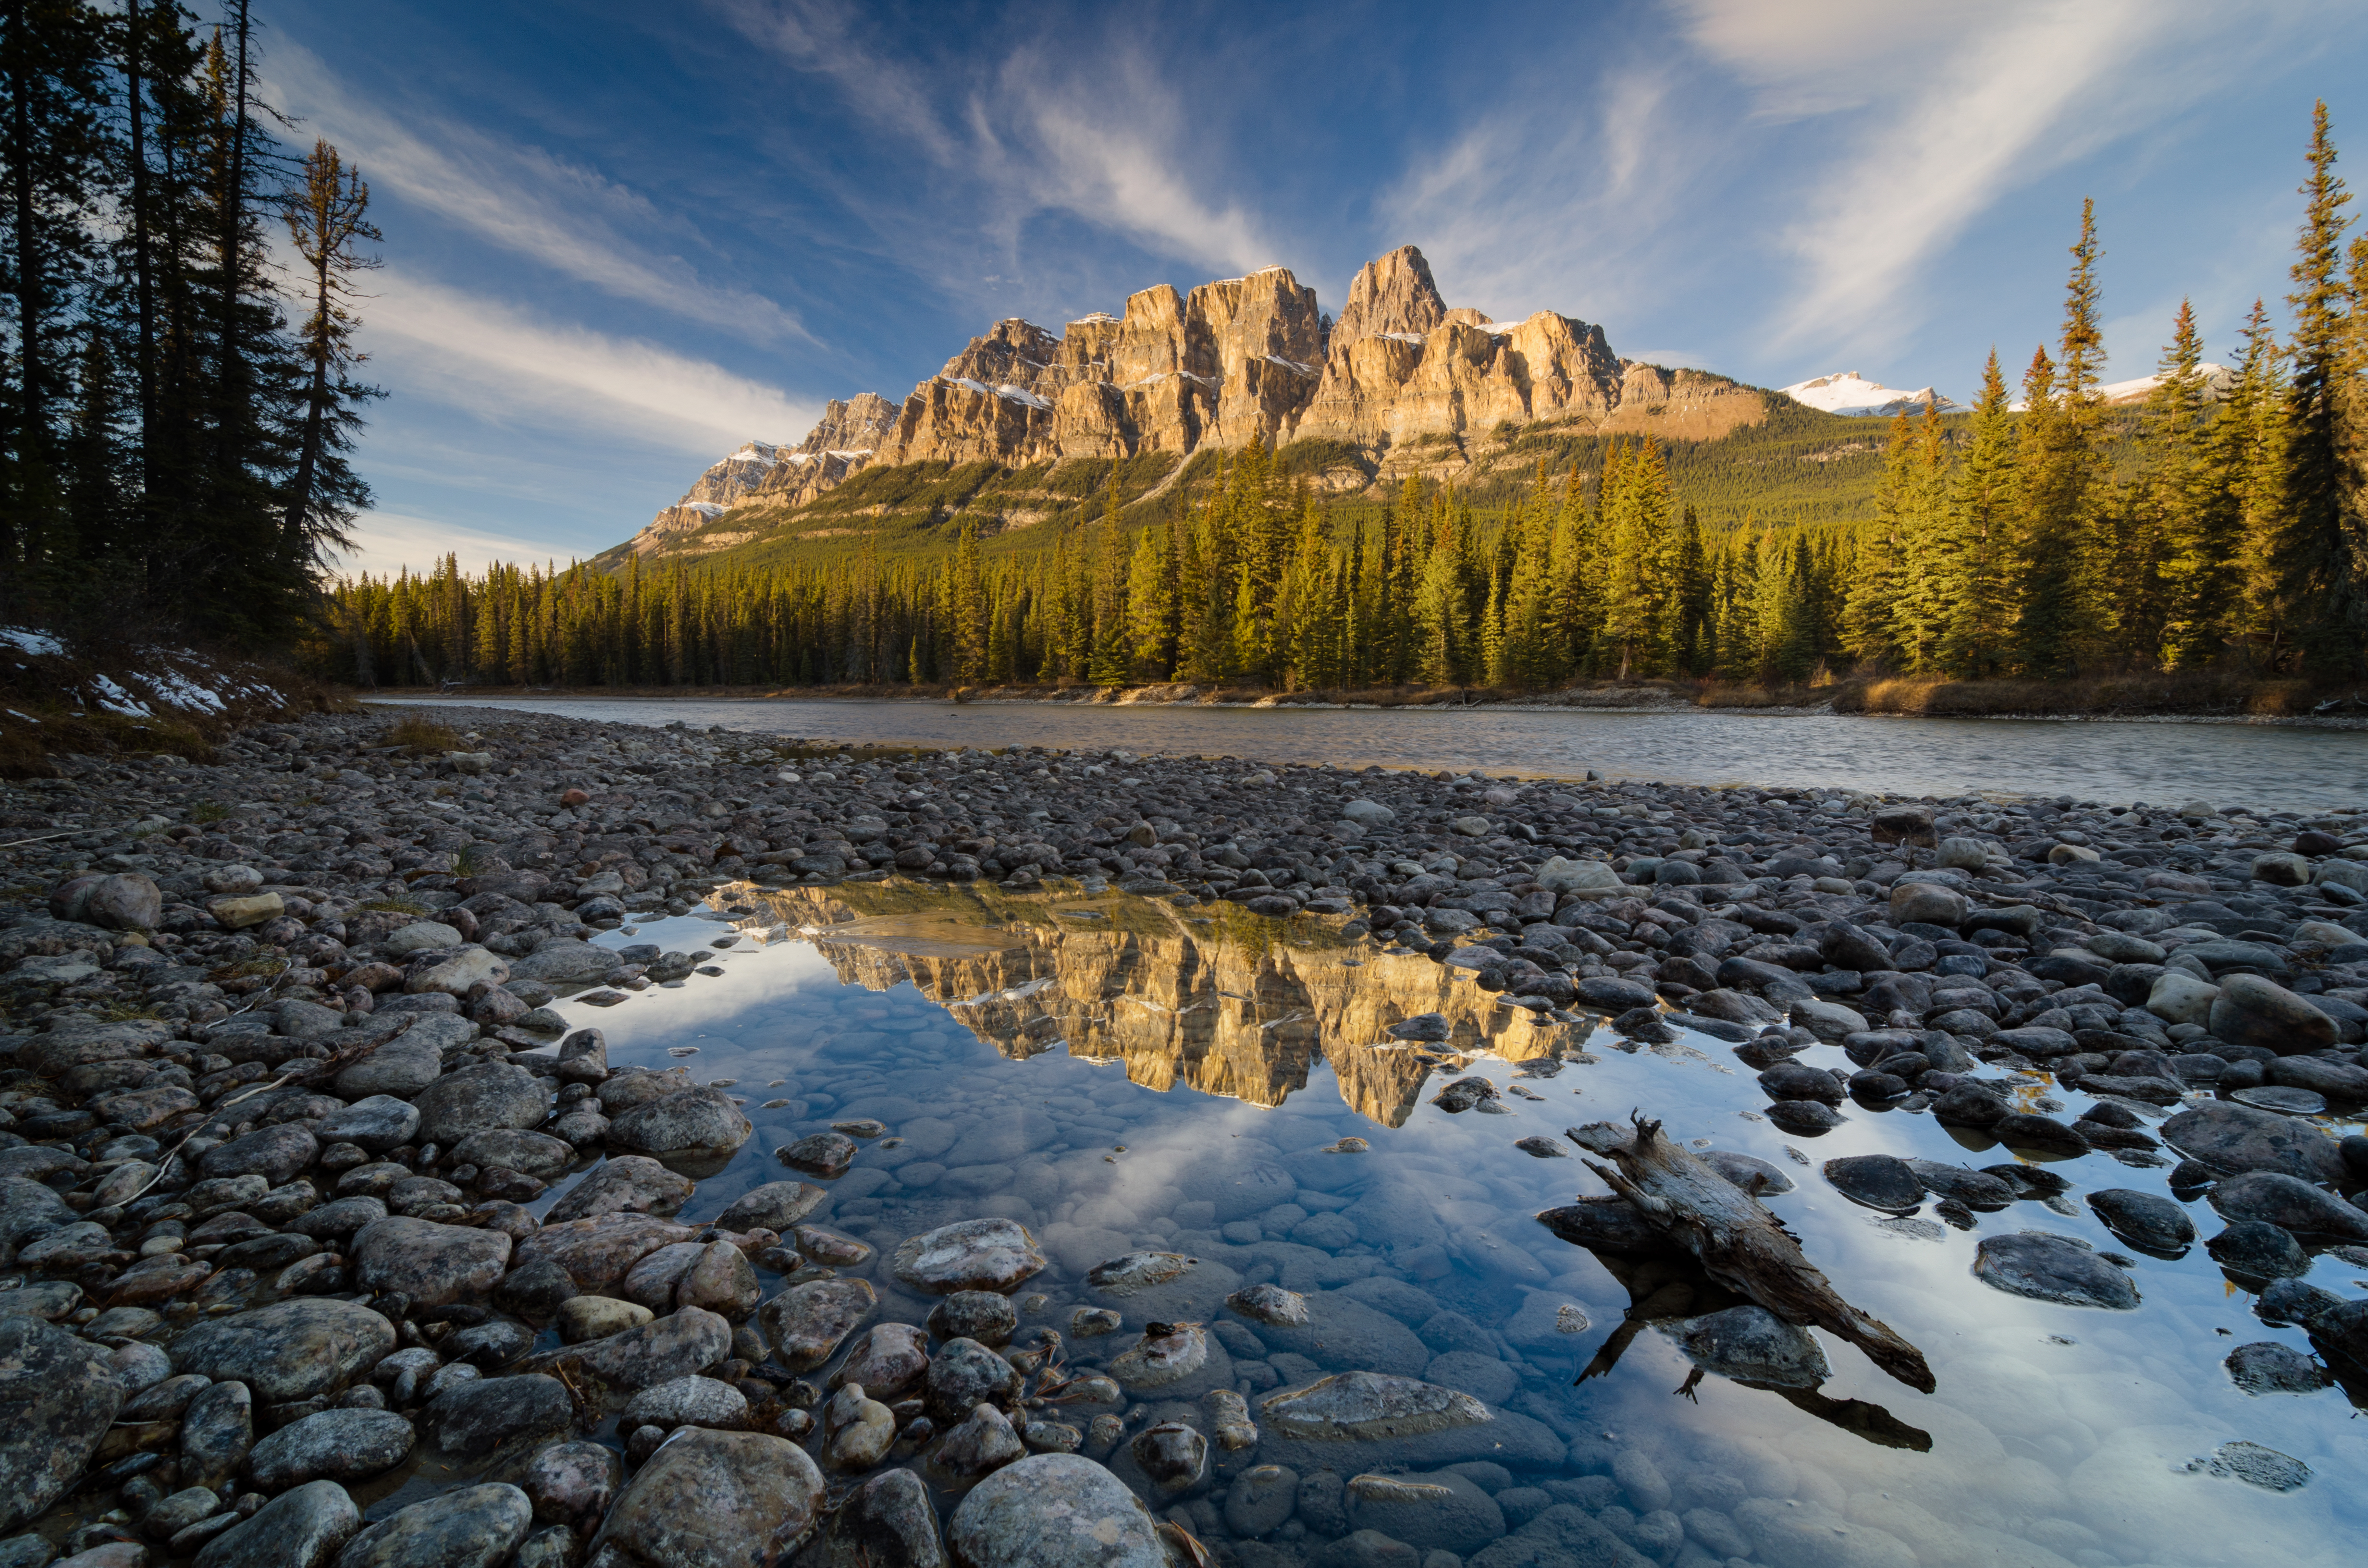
{"x":1738,"y":1244}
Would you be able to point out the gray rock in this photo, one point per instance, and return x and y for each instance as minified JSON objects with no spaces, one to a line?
{"x":338,"y":1217}
{"x":695,"y":1124}
{"x":536,"y":1155}
{"x":57,"y":1396}
{"x":2290,"y":1203}
{"x":632,"y":1184}
{"x":969,"y":1255}
{"x":553,"y":1546}
{"x":961,"y":1374}
{"x":1365,"y":1405}
{"x":408,"y":1064}
{"x":480,"y":1415}
{"x":2250,"y":1010}
{"x":691,"y":1340}
{"x":332,"y":1445}
{"x":2268,"y":1367}
{"x":1053,"y":1511}
{"x":432,"y":1264}
{"x":288,"y":1350}
{"x":299,"y":1529}
{"x":566,"y":962}
{"x":686,"y":1401}
{"x":1136,"y":1271}
{"x":474,"y":1527}
{"x":125,"y":902}
{"x":275,"y":1153}
{"x":715,"y":1500}
{"x":2234,"y":1139}
{"x":572,"y":1483}
{"x":777,"y":1205}
{"x":1877,"y":1181}
{"x":887,"y":1522}
{"x":1260,"y":1499}
{"x":490,"y":1094}
{"x":806,"y":1323}
{"x":217,"y":1431}
{"x":2256,"y":1252}
{"x":376,"y":1124}
{"x":1269,"y":1304}
{"x":2048,"y":1267}
{"x":1172,"y":1455}
{"x":978,"y":1446}
{"x":1753,"y":1345}
{"x":982,"y":1315}
{"x":887,"y":1360}
{"x":2147,"y":1220}
{"x":2255,"y":1466}
{"x":1438,"y":1511}
{"x":597,"y":1251}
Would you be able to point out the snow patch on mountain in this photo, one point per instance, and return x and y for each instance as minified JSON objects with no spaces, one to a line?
{"x":1847,"y":392}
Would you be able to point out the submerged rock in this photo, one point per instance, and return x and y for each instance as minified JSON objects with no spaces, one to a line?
{"x":715,"y":1500}
{"x":1053,"y":1511}
{"x":969,"y":1255}
{"x":806,"y":1323}
{"x":1269,"y":1304}
{"x":1369,"y":1405}
{"x":2048,"y":1267}
{"x":1753,"y":1345}
{"x":1136,"y":1271}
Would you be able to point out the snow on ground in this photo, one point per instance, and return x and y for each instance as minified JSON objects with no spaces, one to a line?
{"x":115,"y":700}
{"x":36,"y":642}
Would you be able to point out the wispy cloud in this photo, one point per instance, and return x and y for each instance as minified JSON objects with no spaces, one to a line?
{"x":512,"y":370}
{"x":524,"y":200}
{"x":385,"y":543}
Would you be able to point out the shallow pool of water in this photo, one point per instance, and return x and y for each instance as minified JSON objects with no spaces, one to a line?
{"x":2273,"y":766}
{"x":1119,"y":1073}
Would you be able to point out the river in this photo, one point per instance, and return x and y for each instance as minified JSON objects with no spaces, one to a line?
{"x":2276,"y":768}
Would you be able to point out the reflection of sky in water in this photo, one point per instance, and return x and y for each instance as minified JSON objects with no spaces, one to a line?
{"x":2054,"y":1427}
{"x":2268,"y":767}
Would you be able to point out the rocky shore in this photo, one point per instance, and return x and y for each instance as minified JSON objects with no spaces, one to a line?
{"x":285,"y":1108}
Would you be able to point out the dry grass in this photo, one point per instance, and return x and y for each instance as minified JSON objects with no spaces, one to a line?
{"x":40,"y":717}
{"x":2096,"y":696}
{"x":422,"y":736}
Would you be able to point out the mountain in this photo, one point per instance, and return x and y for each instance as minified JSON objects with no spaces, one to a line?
{"x":2217,"y":379}
{"x":1233,"y":360}
{"x":1846,"y":392}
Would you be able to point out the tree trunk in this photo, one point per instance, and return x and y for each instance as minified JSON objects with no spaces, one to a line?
{"x":1742,"y":1247}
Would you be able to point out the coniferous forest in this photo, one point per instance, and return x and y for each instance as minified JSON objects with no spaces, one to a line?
{"x":179,"y":412}
{"x":2047,"y":536}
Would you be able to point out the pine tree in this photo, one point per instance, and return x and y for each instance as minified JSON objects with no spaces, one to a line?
{"x":2319,"y":554}
{"x":327,"y":216}
{"x":970,"y":609}
{"x":1983,"y":608}
{"x":2187,"y":506}
{"x":2064,"y":612}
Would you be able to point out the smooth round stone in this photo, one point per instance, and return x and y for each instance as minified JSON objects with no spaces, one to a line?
{"x":1269,"y":1305}
{"x":2235,"y":1138}
{"x":332,"y":1445}
{"x":1260,"y":1499}
{"x":433,"y":1264}
{"x":887,"y":1360}
{"x":2290,"y":1202}
{"x":630,"y":1184}
{"x":2283,"y":1098}
{"x":982,"y":1443}
{"x":805,"y":1324}
{"x":1804,"y":1118}
{"x":596,"y":1317}
{"x":887,"y":1521}
{"x":572,"y":1483}
{"x":59,"y":1392}
{"x":1877,"y":1181}
{"x":982,"y":1315}
{"x":1174,"y":1455}
{"x":491,"y":1095}
{"x":778,"y":1207}
{"x":1369,"y":1405}
{"x":2145,"y":1219}
{"x":1441,"y":1511}
{"x":687,"y":1341}
{"x":377,"y":1123}
{"x":970,"y":1254}
{"x":473,"y":1419}
{"x":290,"y":1350}
{"x":963,"y":1373}
{"x":1752,"y":1344}
{"x":2268,"y":1367}
{"x":695,"y":1124}
{"x":693,"y":1401}
{"x":1053,"y":1511}
{"x":2256,"y":1250}
{"x":715,"y":1500}
{"x":2052,"y":1268}
{"x":474,"y":1527}
{"x":824,"y":1154}
{"x":298,"y":1529}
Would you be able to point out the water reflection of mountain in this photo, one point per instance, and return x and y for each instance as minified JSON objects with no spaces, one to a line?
{"x":1213,"y":997}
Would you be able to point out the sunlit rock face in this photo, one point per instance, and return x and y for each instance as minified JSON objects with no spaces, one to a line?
{"x":1212,"y":998}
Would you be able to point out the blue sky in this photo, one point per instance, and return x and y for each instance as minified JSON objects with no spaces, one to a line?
{"x":622,"y":238}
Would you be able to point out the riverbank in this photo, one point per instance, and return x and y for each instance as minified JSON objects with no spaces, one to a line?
{"x":2205,"y":695}
{"x":287,"y":1075}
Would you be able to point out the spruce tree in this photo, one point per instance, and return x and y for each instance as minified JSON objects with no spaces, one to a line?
{"x":327,"y":217}
{"x":2318,"y":553}
{"x":1983,"y":507}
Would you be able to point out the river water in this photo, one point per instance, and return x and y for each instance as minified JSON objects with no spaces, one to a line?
{"x":2276,"y":768}
{"x":1119,"y":1073}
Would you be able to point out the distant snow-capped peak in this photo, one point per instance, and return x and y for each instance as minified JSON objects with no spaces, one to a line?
{"x":1846,"y":391}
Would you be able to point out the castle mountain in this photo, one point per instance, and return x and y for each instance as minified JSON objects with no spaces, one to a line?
{"x":1237,"y":359}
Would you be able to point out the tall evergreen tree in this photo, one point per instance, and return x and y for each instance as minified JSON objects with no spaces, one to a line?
{"x":327,"y":218}
{"x":2320,"y":553}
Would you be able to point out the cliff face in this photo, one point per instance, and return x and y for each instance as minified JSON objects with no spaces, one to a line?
{"x":1238,"y":359}
{"x":1231,"y":1004}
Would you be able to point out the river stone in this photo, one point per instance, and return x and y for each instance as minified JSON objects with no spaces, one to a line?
{"x":2147,"y":1220}
{"x":984,"y":1442}
{"x":566,"y":962}
{"x":982,"y":1315}
{"x":1804,"y":1118}
{"x":1122,"y":1276}
{"x":686,"y":1401}
{"x":691,"y":1340}
{"x":695,"y":1124}
{"x":962,"y":1374}
{"x":1433,"y":1511}
{"x":376,"y":1124}
{"x":651,"y":1282}
{"x":969,"y":1255}
{"x":721,"y":1279}
{"x":777,"y":1205}
{"x":887,"y":1359}
{"x":1753,"y":1345}
{"x":2235,"y":1138}
{"x":1162,"y":1361}
{"x":1877,"y":1181}
{"x":1927,"y":904}
{"x":1269,"y":1304}
{"x":2250,"y":1010}
{"x":2041,"y":1134}
{"x":330,"y":1444}
{"x":596,"y":1317}
{"x":472,"y":1419}
{"x":1260,"y":1499}
{"x":536,"y":1155}
{"x":217,"y":1430}
{"x":2255,"y":1466}
{"x":2257,"y":1250}
{"x":858,"y":1430}
{"x":630,"y":1184}
{"x":474,"y":1527}
{"x":1801,"y":1533}
{"x":824,"y":1154}
{"x":2333,"y":1080}
{"x":1053,"y":1511}
{"x":572,"y":1483}
{"x":299,"y":1529}
{"x":1173,"y":1456}
{"x":275,"y":1153}
{"x":57,"y":1396}
{"x":597,"y":1251}
{"x":492,"y":1094}
{"x":887,"y":1522}
{"x":2291,"y":1203}
{"x":709,"y":1499}
{"x":290,"y":1350}
{"x":2049,"y":1268}
{"x":432,"y":1264}
{"x":2268,"y":1367}
{"x":806,"y":1323}
{"x":1369,"y":1405}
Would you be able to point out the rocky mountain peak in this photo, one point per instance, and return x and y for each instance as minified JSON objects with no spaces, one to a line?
{"x":1391,"y":293}
{"x":863,"y":423}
